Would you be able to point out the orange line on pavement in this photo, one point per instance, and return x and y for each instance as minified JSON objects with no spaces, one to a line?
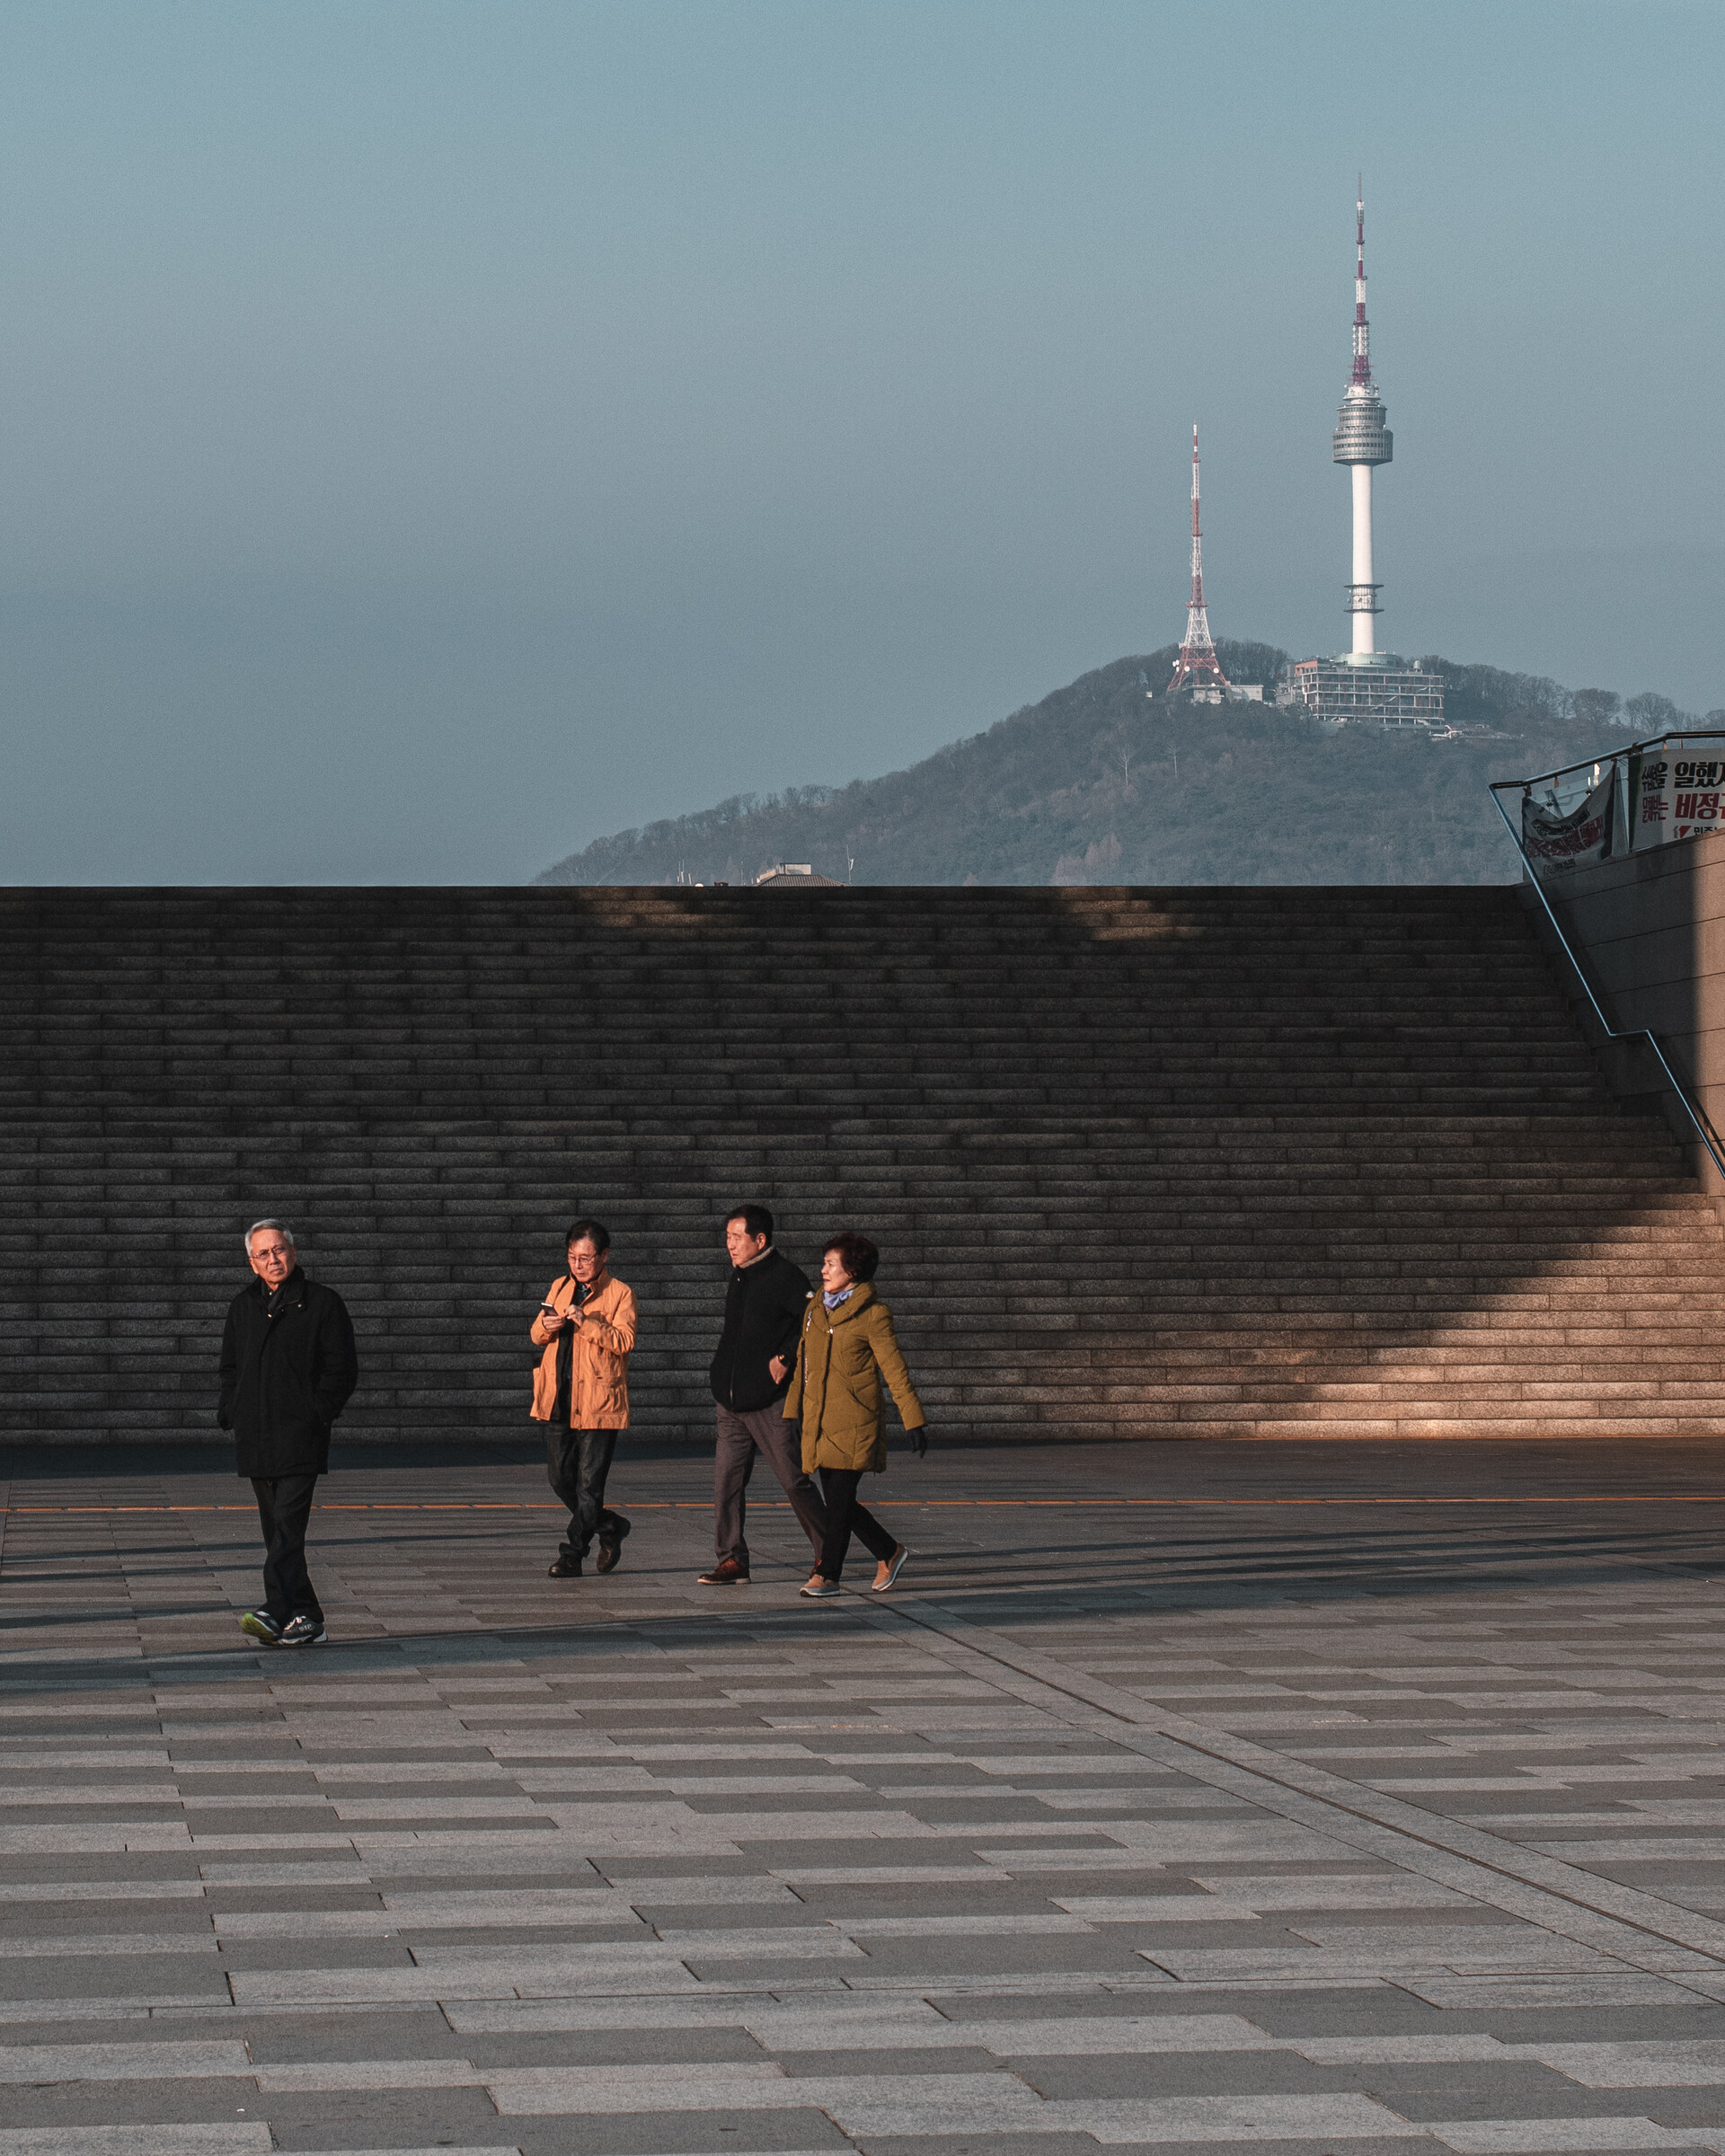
{"x":916,"y":1504}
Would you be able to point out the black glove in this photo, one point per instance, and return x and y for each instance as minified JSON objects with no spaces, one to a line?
{"x":919,"y":1441}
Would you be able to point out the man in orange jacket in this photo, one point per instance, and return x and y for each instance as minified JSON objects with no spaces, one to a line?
{"x":586,"y":1325}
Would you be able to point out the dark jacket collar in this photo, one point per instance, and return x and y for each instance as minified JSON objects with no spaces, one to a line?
{"x":292,"y":1289}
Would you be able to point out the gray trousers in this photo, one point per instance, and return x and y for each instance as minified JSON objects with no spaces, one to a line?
{"x":740,"y":1437}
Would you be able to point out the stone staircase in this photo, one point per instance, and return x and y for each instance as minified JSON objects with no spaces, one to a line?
{"x":1201,"y":1162}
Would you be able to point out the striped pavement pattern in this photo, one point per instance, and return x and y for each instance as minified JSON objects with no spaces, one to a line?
{"x":1180,"y":1797}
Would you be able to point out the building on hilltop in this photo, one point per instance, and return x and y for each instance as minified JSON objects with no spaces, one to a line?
{"x":1363,"y":683}
{"x":795,"y":875}
{"x":1390,"y":692}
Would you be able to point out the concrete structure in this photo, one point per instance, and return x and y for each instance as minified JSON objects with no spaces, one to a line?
{"x":1197,"y":666}
{"x":1650,"y":929}
{"x":795,"y":875}
{"x":1362,"y":440}
{"x":1142,"y":1163}
{"x":1389,"y":693}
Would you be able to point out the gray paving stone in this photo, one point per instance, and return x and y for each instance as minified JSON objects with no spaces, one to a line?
{"x":1569,"y":2136}
{"x":1604,"y":1989}
{"x":647,"y":1865}
{"x":177,"y":2139}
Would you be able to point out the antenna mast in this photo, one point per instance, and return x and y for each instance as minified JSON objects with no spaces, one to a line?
{"x":1362,"y":335}
{"x":1197,"y":654}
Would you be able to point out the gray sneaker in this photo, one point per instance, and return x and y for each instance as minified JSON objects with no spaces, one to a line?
{"x":303,"y":1632}
{"x":259,"y":1624}
{"x":895,"y":1566}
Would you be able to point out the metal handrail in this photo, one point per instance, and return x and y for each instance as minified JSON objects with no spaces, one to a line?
{"x":1612,"y":1032}
{"x":1610,"y":756}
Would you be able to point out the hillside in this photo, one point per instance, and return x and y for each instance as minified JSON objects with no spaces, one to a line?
{"x":1100,"y":784}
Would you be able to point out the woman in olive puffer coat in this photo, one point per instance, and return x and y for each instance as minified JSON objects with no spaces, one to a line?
{"x":848,"y":1346}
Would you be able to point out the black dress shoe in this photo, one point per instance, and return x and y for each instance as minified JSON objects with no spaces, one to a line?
{"x":566,"y":1567}
{"x":611,"y":1544}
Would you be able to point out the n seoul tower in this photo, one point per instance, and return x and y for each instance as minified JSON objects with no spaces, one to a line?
{"x":1362,"y":440}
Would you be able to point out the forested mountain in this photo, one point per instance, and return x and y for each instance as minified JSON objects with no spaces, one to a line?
{"x":1101,"y":782}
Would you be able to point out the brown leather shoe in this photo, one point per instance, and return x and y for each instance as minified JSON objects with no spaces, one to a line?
{"x":726,"y":1574}
{"x":611,"y":1544}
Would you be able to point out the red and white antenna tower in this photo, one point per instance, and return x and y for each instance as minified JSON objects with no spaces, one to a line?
{"x":1198,"y":657}
{"x":1362,"y":374}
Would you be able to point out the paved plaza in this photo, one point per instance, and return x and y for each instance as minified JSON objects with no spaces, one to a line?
{"x":1303,"y":1798}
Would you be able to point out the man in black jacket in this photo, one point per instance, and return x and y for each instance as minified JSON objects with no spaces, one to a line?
{"x":763,"y":1320}
{"x":287,"y":1368}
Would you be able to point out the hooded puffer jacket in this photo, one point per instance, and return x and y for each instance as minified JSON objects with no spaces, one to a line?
{"x":842,"y":1356}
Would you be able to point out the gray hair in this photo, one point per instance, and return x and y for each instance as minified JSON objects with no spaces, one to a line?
{"x":280,"y":1225}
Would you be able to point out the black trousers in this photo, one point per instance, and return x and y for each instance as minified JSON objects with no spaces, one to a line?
{"x":846,"y":1517}
{"x":284,"y":1506}
{"x":577,"y":1462}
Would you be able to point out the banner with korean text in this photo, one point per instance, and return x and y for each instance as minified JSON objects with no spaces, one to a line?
{"x":1559,"y":835}
{"x":1676,"y":789}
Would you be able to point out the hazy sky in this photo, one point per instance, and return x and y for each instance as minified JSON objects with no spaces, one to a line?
{"x":435,"y":434}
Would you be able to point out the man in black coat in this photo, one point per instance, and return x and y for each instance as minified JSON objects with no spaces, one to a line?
{"x":287,"y":1368}
{"x":764,"y":1308}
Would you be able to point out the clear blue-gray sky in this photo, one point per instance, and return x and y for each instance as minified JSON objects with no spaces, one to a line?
{"x":434,"y":435}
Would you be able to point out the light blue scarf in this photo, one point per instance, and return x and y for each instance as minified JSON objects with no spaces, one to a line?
{"x":833,"y":1301}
